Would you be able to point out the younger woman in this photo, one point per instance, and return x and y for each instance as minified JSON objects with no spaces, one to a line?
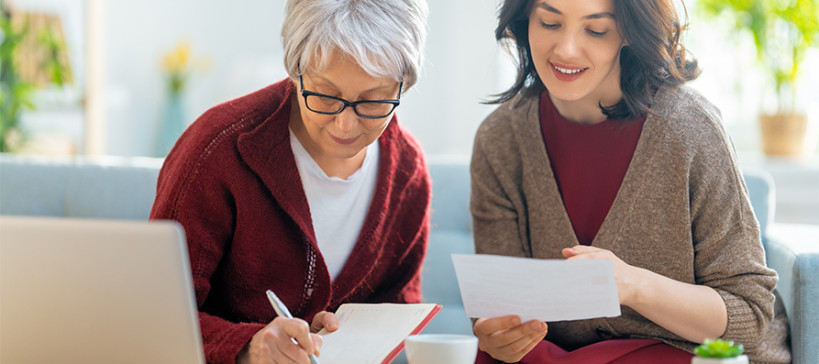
{"x":599,"y":152}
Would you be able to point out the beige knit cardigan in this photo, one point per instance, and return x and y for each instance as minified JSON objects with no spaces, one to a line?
{"x":682,"y":211}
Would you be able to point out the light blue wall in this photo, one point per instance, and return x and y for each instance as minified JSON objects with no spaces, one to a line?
{"x":464,"y":65}
{"x":242,"y":39}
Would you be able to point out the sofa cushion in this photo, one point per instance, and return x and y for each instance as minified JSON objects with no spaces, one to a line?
{"x":97,"y":192}
{"x":103,"y":187}
{"x":450,"y":193}
{"x":32,"y":186}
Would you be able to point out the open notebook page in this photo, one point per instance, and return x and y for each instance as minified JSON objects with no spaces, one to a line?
{"x":373,"y":333}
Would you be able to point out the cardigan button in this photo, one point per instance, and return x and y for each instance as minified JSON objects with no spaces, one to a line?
{"x":604,"y":333}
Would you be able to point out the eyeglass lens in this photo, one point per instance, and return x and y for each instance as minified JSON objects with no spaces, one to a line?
{"x":330,"y":106}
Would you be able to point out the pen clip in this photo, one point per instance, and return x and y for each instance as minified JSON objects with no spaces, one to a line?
{"x":278,"y":305}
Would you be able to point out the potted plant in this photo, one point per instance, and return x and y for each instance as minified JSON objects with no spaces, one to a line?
{"x":719,"y":352}
{"x":783,"y":32}
{"x":17,"y":92}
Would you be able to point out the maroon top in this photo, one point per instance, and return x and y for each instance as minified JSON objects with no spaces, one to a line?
{"x":232,"y":182}
{"x":613,"y":351}
{"x":589,"y":163}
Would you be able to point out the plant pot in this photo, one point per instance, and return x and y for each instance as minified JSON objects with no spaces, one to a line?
{"x":742,"y":359}
{"x":784,"y":134}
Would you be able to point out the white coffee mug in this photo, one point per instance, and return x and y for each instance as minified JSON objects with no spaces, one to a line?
{"x":441,"y":348}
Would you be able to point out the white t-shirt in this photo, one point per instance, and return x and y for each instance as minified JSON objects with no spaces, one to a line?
{"x":338,"y":207}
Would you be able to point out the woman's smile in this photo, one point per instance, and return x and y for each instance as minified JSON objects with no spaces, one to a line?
{"x":343,"y":141}
{"x":567,"y":73}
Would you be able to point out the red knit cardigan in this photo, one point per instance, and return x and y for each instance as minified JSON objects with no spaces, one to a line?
{"x":232,"y":182}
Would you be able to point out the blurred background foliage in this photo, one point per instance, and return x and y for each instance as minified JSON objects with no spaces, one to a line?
{"x":783,"y":31}
{"x":33,"y":55}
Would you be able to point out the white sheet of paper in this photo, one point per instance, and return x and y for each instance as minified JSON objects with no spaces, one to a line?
{"x":536,"y":289}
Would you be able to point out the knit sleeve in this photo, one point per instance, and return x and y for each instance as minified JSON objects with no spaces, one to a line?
{"x":495,"y":225}
{"x":190,"y":192}
{"x":729,"y":256}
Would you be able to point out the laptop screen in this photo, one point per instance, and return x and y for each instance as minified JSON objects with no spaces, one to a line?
{"x":96,"y":291}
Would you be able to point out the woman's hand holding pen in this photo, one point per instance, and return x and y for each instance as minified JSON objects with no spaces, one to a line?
{"x":274,"y":343}
{"x":506,"y":338}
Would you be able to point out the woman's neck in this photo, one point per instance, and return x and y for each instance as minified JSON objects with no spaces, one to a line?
{"x":580,"y":112}
{"x":587,"y":109}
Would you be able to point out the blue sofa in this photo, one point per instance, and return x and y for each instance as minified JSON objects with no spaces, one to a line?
{"x":120,"y":188}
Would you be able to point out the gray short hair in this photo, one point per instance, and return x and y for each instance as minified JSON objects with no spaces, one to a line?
{"x":385,"y":37}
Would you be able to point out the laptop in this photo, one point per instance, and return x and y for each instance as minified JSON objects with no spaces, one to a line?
{"x":96,"y":291}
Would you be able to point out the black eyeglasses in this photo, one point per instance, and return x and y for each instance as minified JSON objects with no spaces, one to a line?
{"x":330,"y":105}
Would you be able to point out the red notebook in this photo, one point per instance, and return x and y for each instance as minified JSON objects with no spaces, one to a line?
{"x":374,"y":333}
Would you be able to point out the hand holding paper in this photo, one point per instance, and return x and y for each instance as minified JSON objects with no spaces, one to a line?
{"x":536,"y":289}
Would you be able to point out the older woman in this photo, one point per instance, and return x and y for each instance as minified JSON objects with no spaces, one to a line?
{"x":308,"y":187}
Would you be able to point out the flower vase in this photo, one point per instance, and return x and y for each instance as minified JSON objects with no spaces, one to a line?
{"x":171,"y":126}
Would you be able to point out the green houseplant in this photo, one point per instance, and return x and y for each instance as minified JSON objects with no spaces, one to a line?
{"x":783,"y":31}
{"x":16,"y":93}
{"x":719,"y":352}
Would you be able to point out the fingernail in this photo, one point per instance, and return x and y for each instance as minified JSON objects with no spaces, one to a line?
{"x":535,"y":325}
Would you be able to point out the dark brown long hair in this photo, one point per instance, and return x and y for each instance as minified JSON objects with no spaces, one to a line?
{"x":654,"y":56}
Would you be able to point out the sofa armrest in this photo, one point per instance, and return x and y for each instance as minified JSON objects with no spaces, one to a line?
{"x":793,"y":251}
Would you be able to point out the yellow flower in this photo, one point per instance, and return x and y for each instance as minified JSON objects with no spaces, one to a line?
{"x":177,"y":60}
{"x":177,"y":63}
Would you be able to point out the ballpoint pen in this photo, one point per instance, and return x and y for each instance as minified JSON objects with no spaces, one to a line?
{"x":282,"y":311}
